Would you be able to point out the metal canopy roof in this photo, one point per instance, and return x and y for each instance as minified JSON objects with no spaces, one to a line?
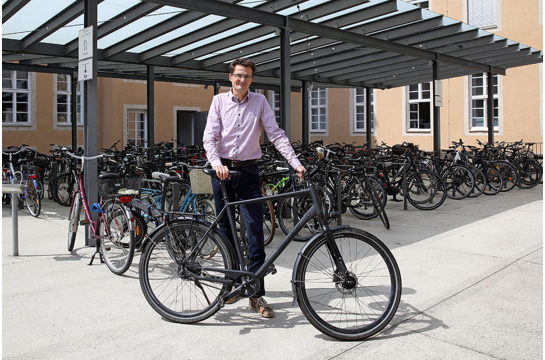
{"x":333,"y":43}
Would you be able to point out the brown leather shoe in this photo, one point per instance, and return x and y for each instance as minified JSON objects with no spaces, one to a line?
{"x":261,"y":306}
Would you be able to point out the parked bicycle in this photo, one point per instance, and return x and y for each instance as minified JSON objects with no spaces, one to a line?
{"x":114,"y":229}
{"x":345,"y":280}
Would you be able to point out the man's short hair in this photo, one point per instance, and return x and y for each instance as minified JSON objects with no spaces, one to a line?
{"x":244,"y":62}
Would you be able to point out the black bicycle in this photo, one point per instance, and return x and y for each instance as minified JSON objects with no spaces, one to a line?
{"x":346,"y":281}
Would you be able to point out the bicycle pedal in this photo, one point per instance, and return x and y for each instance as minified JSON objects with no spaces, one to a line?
{"x":272,"y":269}
{"x":84,"y":222}
{"x":334,"y":214}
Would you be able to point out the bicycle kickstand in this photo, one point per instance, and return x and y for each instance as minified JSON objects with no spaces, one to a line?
{"x":97,"y":251}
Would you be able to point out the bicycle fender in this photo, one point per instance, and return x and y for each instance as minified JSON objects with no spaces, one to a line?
{"x":316,"y":236}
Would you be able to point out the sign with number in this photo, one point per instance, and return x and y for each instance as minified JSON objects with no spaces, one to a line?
{"x":438,"y":93}
{"x":85,"y":54}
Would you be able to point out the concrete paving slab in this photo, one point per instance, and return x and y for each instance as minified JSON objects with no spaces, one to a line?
{"x":472,"y":275}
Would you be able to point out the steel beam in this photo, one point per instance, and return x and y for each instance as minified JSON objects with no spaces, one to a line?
{"x":127,"y":17}
{"x":11,"y":7}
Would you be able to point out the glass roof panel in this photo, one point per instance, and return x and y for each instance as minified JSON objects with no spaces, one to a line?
{"x":184,"y":30}
{"x":139,"y":25}
{"x":210,"y":39}
{"x":32,"y":15}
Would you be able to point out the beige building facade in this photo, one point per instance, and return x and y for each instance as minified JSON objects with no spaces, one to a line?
{"x":41,"y":114}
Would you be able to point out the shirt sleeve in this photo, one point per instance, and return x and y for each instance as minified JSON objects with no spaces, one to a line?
{"x":278,"y":136}
{"x":212,"y":134}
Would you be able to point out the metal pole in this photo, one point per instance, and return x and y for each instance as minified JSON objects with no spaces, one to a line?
{"x":15,"y":223}
{"x":90,"y":124}
{"x":368,"y":115}
{"x":490,"y":107}
{"x":436,"y":113}
{"x":151,"y":106}
{"x":74,"y":110}
{"x":305,"y":112}
{"x":285,"y":84}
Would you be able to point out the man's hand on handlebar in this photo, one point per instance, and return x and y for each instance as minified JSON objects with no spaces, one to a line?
{"x":300,"y":171}
{"x":222,"y":172}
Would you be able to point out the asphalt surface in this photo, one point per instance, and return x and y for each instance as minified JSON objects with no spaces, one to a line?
{"x":472,"y":275}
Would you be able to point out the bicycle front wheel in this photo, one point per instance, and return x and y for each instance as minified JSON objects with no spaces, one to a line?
{"x":73,"y":221}
{"x":353,"y":305}
{"x":61,"y":189}
{"x":116,"y":237}
{"x":174,"y":279}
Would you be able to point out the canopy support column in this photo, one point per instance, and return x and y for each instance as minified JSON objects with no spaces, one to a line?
{"x":150,"y":141}
{"x":285,"y":84}
{"x":490,"y":106}
{"x":436,"y":112}
{"x":90,"y":123}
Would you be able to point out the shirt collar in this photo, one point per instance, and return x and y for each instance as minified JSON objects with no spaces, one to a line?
{"x":235,"y":99}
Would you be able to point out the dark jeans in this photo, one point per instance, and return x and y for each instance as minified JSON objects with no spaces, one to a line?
{"x":243,"y":187}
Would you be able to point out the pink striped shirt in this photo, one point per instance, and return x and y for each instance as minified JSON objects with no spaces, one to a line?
{"x":233,"y":129}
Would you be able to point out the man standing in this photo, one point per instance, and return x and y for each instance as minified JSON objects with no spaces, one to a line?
{"x":231,"y":140}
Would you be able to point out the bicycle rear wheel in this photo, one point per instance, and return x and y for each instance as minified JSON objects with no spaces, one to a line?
{"x":116,"y":237}
{"x":530,"y":174}
{"x":61,"y":189}
{"x":351,"y":306}
{"x":426,"y":190}
{"x":269,"y":222}
{"x":459,"y":182}
{"x":32,"y":199}
{"x":291,"y":210}
{"x":168,"y":272}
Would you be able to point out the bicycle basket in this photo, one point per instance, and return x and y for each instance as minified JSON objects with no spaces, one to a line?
{"x":119,"y":186}
{"x":200,"y":182}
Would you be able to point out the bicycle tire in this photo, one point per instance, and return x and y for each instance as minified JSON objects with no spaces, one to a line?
{"x":73,"y":221}
{"x":61,"y":189}
{"x":140,"y":229}
{"x":341,"y":309}
{"x":208,"y":209}
{"x":459,"y":182}
{"x":426,"y":190}
{"x":172,"y":294}
{"x":509,"y":174}
{"x":378,"y":206}
{"x":290,"y":210}
{"x":115,"y":236}
{"x":269,"y":222}
{"x":530,"y":174}
{"x":359,"y":199}
{"x":494,"y":181}
{"x":32,"y":199}
{"x":480,"y":182}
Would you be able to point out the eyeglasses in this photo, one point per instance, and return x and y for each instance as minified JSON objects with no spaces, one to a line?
{"x":240,"y":76}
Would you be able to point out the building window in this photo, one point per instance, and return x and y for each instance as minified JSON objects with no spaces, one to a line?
{"x":419,"y":106}
{"x":137,"y":128}
{"x":482,"y":13}
{"x":360,"y":110}
{"x":424,"y":4}
{"x":64,"y":99}
{"x":478,"y":88}
{"x":318,"y":110}
{"x":15,"y":97}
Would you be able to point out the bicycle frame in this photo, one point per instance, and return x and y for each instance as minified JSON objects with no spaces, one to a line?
{"x":314,"y":211}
